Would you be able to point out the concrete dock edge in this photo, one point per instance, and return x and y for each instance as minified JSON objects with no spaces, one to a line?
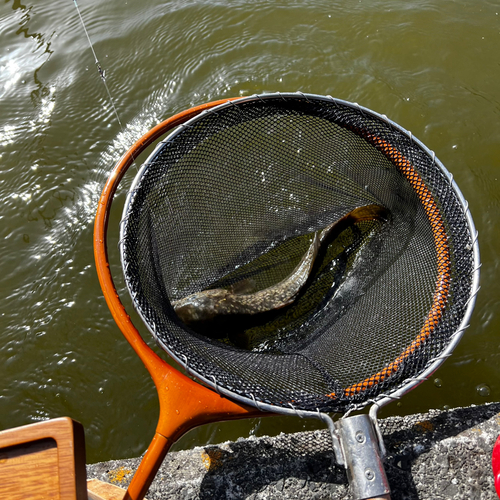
{"x":433,"y":456}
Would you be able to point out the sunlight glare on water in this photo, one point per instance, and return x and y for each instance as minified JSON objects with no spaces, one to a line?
{"x":431,"y":66}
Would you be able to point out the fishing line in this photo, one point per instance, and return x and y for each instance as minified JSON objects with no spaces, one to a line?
{"x":102,"y":72}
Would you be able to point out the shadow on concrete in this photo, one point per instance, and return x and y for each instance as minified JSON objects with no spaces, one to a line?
{"x":286,"y":466}
{"x":410,"y":438}
{"x":302,"y":466}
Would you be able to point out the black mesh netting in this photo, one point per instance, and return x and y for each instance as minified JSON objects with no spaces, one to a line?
{"x":235,"y":196}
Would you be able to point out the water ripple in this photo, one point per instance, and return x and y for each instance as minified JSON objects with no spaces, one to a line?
{"x":425,"y":64}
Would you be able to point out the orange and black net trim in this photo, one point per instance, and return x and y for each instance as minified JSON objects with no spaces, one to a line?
{"x":443,"y":265}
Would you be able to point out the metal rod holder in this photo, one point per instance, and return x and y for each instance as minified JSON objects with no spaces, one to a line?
{"x":361,"y":453}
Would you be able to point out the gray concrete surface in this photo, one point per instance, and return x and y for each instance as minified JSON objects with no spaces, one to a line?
{"x":434,"y":456}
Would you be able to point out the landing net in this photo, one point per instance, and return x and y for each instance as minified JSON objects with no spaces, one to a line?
{"x":233,"y":198}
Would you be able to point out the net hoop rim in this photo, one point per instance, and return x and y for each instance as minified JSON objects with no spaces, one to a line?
{"x":381,"y":399}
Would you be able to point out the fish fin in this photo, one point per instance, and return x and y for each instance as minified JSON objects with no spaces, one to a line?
{"x":243,"y":287}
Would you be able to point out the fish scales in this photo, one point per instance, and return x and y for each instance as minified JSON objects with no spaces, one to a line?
{"x":209,"y":304}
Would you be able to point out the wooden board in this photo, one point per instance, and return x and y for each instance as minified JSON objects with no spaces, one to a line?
{"x":45,"y":460}
{"x":99,"y":490}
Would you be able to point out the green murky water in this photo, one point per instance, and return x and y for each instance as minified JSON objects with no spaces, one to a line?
{"x":431,"y":66}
